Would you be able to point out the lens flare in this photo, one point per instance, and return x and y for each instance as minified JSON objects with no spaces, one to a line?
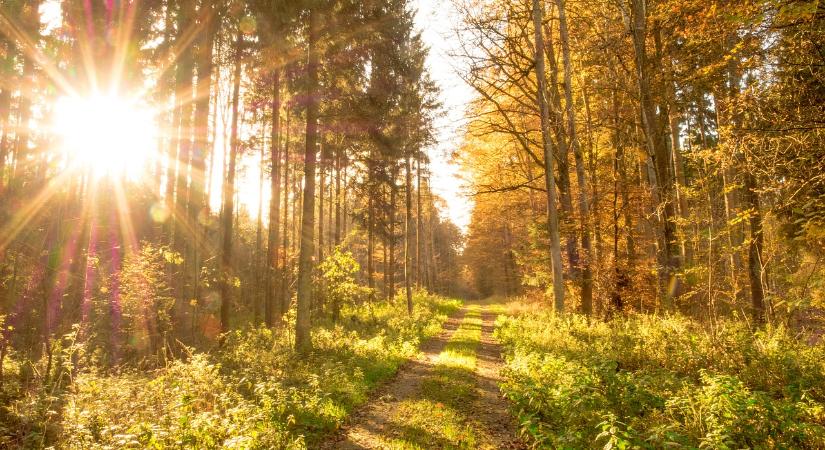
{"x":109,"y":134}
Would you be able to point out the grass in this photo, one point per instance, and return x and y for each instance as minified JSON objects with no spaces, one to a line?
{"x":661,"y":381}
{"x":253,"y":393}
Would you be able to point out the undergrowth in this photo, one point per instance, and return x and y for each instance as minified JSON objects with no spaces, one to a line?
{"x":655,"y":382}
{"x":254,"y":392}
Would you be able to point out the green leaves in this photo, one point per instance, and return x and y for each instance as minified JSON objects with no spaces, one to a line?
{"x":653,"y":382}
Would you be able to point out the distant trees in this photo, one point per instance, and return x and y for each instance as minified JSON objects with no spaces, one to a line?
{"x":229,"y":84}
{"x":671,"y":110}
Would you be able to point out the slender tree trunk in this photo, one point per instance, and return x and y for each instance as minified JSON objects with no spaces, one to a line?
{"x":586,"y":272}
{"x":550,"y":181}
{"x":371,"y":234}
{"x":272,"y":305}
{"x":302,"y":323}
{"x":419,"y":224}
{"x":285,"y":278}
{"x":391,"y":220}
{"x":321,"y":186}
{"x":408,"y":238}
{"x":31,"y":23}
{"x":658,"y":150}
{"x":338,"y":156}
{"x":755,"y":245}
{"x":227,"y":274}
{"x":261,"y":279}
{"x":198,"y":209}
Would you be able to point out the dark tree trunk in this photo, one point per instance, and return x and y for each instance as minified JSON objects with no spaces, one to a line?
{"x":272,"y":305}
{"x":227,"y":274}
{"x":302,"y":323}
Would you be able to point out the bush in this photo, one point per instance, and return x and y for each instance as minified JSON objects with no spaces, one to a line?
{"x":254,"y":392}
{"x":652,"y":382}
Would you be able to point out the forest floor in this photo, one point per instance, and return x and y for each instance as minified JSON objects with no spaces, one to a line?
{"x":447,"y":397}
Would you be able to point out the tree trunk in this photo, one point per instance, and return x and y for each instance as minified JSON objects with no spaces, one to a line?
{"x":408,"y":238}
{"x":419,"y":224}
{"x":755,"y":261}
{"x":261,"y":280}
{"x":285,"y":278}
{"x":198,"y":209}
{"x":585,"y":270}
{"x":549,"y":180}
{"x":227,"y":274}
{"x":321,"y":187}
{"x":657,"y":147}
{"x":272,"y":305}
{"x":391,"y":220}
{"x":302,"y":324}
{"x":338,"y":156}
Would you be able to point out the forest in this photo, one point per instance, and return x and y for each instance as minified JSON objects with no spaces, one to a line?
{"x":231,"y":224}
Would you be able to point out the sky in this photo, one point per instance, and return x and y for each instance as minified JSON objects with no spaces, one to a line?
{"x":435,"y":19}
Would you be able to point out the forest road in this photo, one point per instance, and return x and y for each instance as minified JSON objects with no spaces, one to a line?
{"x":378,"y":425}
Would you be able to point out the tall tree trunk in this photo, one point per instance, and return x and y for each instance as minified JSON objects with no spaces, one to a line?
{"x":419,"y":224}
{"x":302,"y":323}
{"x":285,"y":278}
{"x":586,"y":272}
{"x":6,"y":71}
{"x":261,"y":279}
{"x":198,"y":209}
{"x":370,"y":231}
{"x":338,"y":156}
{"x":321,"y":186}
{"x":31,"y":24}
{"x":553,"y":100}
{"x":658,"y":150}
{"x":227,"y":274}
{"x":549,"y":179}
{"x":755,"y":261}
{"x":391,"y":220}
{"x":272,"y":305}
{"x":184,"y":87}
{"x":408,"y":237}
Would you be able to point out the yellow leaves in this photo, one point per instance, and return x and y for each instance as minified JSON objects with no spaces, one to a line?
{"x":797,"y":11}
{"x":172,"y":257}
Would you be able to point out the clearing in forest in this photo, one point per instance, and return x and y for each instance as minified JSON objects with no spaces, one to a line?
{"x":448,"y":397}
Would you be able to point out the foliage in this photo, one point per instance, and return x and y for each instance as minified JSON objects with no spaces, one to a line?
{"x":653,"y":382}
{"x":337,"y":279}
{"x":253,"y":392}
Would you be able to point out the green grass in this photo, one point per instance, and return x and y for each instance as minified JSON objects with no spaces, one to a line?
{"x":438,"y":418}
{"x":253,"y":393}
{"x":657,"y":382}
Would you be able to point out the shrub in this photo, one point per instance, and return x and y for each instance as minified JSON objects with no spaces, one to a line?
{"x":650,"y":382}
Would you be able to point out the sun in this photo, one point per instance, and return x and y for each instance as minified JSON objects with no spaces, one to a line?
{"x":108,"y":134}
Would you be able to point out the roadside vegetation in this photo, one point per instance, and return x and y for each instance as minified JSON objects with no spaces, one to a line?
{"x":645,"y":381}
{"x":253,"y":392}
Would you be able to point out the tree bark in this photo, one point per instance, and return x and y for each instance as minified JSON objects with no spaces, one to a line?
{"x":658,"y":150}
{"x":272,"y":305}
{"x":408,"y":237}
{"x":550,"y":182}
{"x":586,"y":272}
{"x":302,"y":324}
{"x":228,"y":212}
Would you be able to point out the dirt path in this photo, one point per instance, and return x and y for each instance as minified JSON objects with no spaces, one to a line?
{"x":492,"y":408}
{"x":381,"y":423}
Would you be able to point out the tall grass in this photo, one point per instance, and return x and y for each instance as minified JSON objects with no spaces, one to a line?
{"x":254,"y":392}
{"x":651,"y":382}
